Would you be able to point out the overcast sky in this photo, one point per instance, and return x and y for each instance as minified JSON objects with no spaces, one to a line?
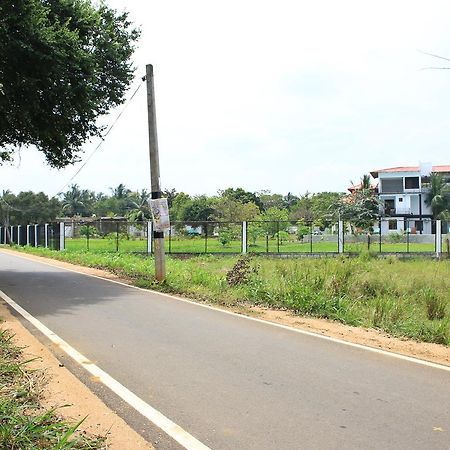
{"x":286,"y":96}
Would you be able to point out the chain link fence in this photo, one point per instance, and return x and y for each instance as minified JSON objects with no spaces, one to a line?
{"x":389,"y":236}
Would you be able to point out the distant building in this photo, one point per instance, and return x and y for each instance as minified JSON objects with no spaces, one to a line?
{"x":402,"y":192}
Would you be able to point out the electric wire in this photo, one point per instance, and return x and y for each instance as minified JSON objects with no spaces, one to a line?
{"x":102,"y":139}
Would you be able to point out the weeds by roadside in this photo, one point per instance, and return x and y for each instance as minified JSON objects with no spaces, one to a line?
{"x":24,"y":424}
{"x":409,"y":298}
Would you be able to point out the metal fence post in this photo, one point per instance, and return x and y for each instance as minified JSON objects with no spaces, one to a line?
{"x":379,"y":230}
{"x":149,"y":237}
{"x":244,"y":237}
{"x":340,"y":236}
{"x":62,"y":235}
{"x":278,"y":236}
{"x":407,"y":236}
{"x":438,"y":238}
{"x":117,"y":236}
{"x":46,"y":235}
{"x":206,"y":237}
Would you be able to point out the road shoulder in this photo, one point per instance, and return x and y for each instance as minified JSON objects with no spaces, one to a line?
{"x":63,"y":388}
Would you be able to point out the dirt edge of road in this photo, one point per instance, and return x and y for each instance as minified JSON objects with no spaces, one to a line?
{"x":63,"y":388}
{"x":370,"y":337}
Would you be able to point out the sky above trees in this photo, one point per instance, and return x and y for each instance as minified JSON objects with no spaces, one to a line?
{"x":287,"y":96}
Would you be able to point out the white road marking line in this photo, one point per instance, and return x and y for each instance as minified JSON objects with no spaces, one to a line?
{"x":172,"y":429}
{"x":265,"y":322}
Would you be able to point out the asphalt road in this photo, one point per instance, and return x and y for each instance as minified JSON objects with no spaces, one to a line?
{"x":235,"y":383}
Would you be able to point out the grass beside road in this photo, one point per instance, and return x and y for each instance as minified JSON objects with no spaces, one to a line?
{"x":409,"y":298}
{"x":24,"y":424}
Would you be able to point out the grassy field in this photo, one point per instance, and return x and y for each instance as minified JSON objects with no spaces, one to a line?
{"x":408,"y":298}
{"x":24,"y":424}
{"x":212,"y":245}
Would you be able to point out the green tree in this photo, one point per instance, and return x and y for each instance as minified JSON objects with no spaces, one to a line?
{"x":270,"y":200}
{"x":28,"y":208}
{"x":361,"y":209}
{"x":275,"y":220}
{"x":179,"y":203}
{"x":438,"y":197}
{"x":229,"y":210}
{"x":198,"y":209}
{"x":241,"y":196}
{"x":63,"y":64}
{"x":77,"y":202}
{"x":140,"y":209}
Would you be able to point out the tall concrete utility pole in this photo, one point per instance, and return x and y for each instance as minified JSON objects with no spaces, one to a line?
{"x":158,"y":236}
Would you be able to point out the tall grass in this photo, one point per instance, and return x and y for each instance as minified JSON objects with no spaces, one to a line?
{"x":408,"y":298}
{"x":24,"y":424}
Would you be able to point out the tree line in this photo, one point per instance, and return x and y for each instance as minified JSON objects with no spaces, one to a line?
{"x":229,"y":205}
{"x":362,"y":206}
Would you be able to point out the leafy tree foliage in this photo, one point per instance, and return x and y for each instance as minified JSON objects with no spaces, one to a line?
{"x":361,"y":209}
{"x":229,"y":210}
{"x":77,"y":202}
{"x":63,"y":63}
{"x":199,"y":208}
{"x":270,"y":200}
{"x":242,"y":196}
{"x":272,"y":217}
{"x":140,"y":209}
{"x":27,"y":208}
{"x":318,"y":208}
{"x":439,"y":197}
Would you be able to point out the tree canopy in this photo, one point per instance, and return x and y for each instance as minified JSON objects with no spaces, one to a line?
{"x":63,"y":63}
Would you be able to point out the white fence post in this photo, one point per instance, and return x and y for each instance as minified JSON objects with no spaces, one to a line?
{"x":19,"y":228}
{"x":244,"y":237}
{"x":149,"y":237}
{"x":62,"y":235}
{"x":46,"y":235}
{"x":341,"y":237}
{"x":438,"y":238}
{"x":1,"y":237}
{"x":36,"y":235}
{"x":28,"y":234}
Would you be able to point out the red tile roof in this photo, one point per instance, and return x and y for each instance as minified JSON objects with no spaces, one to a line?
{"x":436,"y":169}
{"x":357,"y":187}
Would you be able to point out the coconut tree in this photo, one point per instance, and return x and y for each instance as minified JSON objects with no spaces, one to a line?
{"x":140,"y":210}
{"x":76,"y":201}
{"x":438,"y":197}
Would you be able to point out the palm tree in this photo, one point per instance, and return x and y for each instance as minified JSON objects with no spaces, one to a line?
{"x":365,"y":182}
{"x":438,"y":197}
{"x":140,"y":210}
{"x":120,"y":192}
{"x":76,"y":201}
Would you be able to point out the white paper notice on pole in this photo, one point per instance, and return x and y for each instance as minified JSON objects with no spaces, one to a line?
{"x":160,"y":214}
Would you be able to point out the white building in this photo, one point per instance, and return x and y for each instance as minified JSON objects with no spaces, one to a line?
{"x":402,"y":192}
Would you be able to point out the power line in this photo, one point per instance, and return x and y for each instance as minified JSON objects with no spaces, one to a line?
{"x":87,"y":160}
{"x":102,"y":139}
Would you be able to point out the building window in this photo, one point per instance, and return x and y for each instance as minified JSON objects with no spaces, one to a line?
{"x":411,"y":182}
{"x":393,"y":225}
{"x":418,"y":225}
{"x":400,"y":199}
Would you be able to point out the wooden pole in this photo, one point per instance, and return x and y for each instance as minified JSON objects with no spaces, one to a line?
{"x":158,"y":236}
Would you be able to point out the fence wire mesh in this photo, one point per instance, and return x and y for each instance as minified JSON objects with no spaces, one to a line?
{"x":271,"y":237}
